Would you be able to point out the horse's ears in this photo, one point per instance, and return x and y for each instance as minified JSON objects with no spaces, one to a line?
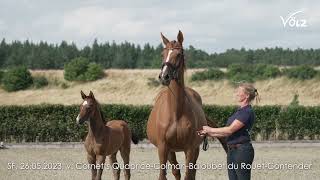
{"x":164,"y":39}
{"x":91,"y":95}
{"x":83,"y":95}
{"x":180,"y":37}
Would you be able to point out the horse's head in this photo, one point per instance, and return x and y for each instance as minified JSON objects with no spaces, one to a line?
{"x":87,"y":108}
{"x":172,"y":59}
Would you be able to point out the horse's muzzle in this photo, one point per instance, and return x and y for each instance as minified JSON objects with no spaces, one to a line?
{"x":164,"y":79}
{"x":80,"y":120}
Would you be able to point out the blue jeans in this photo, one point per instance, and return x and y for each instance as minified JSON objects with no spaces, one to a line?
{"x":239,"y":162}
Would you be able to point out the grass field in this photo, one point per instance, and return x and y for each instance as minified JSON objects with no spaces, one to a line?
{"x":131,"y":87}
{"x":72,"y":157}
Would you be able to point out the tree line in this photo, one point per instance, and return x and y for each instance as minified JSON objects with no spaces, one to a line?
{"x":45,"y":55}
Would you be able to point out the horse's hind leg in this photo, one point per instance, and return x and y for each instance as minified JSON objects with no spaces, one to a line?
{"x":125,"y":154}
{"x":191,"y":158}
{"x":115,"y":166}
{"x":92,"y":163}
{"x":173,"y":160}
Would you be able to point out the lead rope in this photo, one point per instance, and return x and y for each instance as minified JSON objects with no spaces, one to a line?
{"x":205,"y":145}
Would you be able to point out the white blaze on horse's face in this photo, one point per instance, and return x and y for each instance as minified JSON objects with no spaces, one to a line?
{"x":78,"y":117}
{"x":167,"y":60}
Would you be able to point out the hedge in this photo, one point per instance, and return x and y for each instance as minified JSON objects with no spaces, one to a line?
{"x":52,"y":123}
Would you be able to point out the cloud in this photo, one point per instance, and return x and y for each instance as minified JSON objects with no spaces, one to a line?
{"x":2,"y":25}
{"x":210,"y":25}
{"x":90,"y":21}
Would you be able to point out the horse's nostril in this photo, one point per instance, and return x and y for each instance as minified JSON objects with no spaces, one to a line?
{"x":166,"y":77}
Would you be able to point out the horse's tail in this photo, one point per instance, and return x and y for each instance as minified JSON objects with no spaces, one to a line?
{"x":134,"y":138}
{"x":222,"y":140}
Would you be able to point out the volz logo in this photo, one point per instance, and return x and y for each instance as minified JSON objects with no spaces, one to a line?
{"x":293,"y":21}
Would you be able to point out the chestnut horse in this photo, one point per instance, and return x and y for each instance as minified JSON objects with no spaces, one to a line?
{"x":104,"y":139}
{"x":177,"y":114}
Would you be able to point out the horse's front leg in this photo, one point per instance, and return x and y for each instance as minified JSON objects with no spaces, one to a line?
{"x":100,"y":165}
{"x":92,"y":163}
{"x":163,"y":157}
{"x":191,"y":160}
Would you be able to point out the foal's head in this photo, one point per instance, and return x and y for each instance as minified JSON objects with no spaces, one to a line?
{"x":172,"y":60}
{"x":87,"y":108}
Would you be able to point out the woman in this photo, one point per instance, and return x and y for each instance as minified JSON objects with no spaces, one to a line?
{"x":240,"y":151}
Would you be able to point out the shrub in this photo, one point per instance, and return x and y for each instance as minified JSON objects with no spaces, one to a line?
{"x":94,"y":72}
{"x":1,"y":75}
{"x":210,"y":74}
{"x":251,"y":73}
{"x":64,"y":85}
{"x":264,"y":71}
{"x":302,"y":72}
{"x":75,"y":70}
{"x":79,"y":69}
{"x":152,"y":82}
{"x":295,"y":101}
{"x":40,"y":81}
{"x":17,"y":78}
{"x":240,"y":73}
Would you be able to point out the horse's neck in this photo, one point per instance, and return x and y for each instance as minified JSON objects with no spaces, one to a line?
{"x":96,"y":125}
{"x":177,"y":97}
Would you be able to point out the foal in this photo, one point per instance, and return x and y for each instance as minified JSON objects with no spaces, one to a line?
{"x":104,"y":139}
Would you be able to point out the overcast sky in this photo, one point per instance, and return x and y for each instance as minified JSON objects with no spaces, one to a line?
{"x":213,"y":26}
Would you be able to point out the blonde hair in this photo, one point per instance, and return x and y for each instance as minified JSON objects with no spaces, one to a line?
{"x":250,"y":90}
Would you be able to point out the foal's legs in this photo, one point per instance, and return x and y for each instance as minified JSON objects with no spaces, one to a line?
{"x":115,"y":166}
{"x":92,"y":163}
{"x":191,"y":158}
{"x":101,"y":161}
{"x":125,"y":154}
{"x":173,"y":160}
{"x":163,"y":157}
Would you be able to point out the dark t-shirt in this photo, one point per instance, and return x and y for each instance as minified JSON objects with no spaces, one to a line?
{"x":247,"y":117}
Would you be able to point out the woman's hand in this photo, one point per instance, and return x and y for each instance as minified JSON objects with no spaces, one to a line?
{"x":201,"y":133}
{"x":205,"y":131}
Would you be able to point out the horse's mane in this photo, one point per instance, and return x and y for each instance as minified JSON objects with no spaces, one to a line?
{"x":100,"y":110}
{"x":175,"y":44}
